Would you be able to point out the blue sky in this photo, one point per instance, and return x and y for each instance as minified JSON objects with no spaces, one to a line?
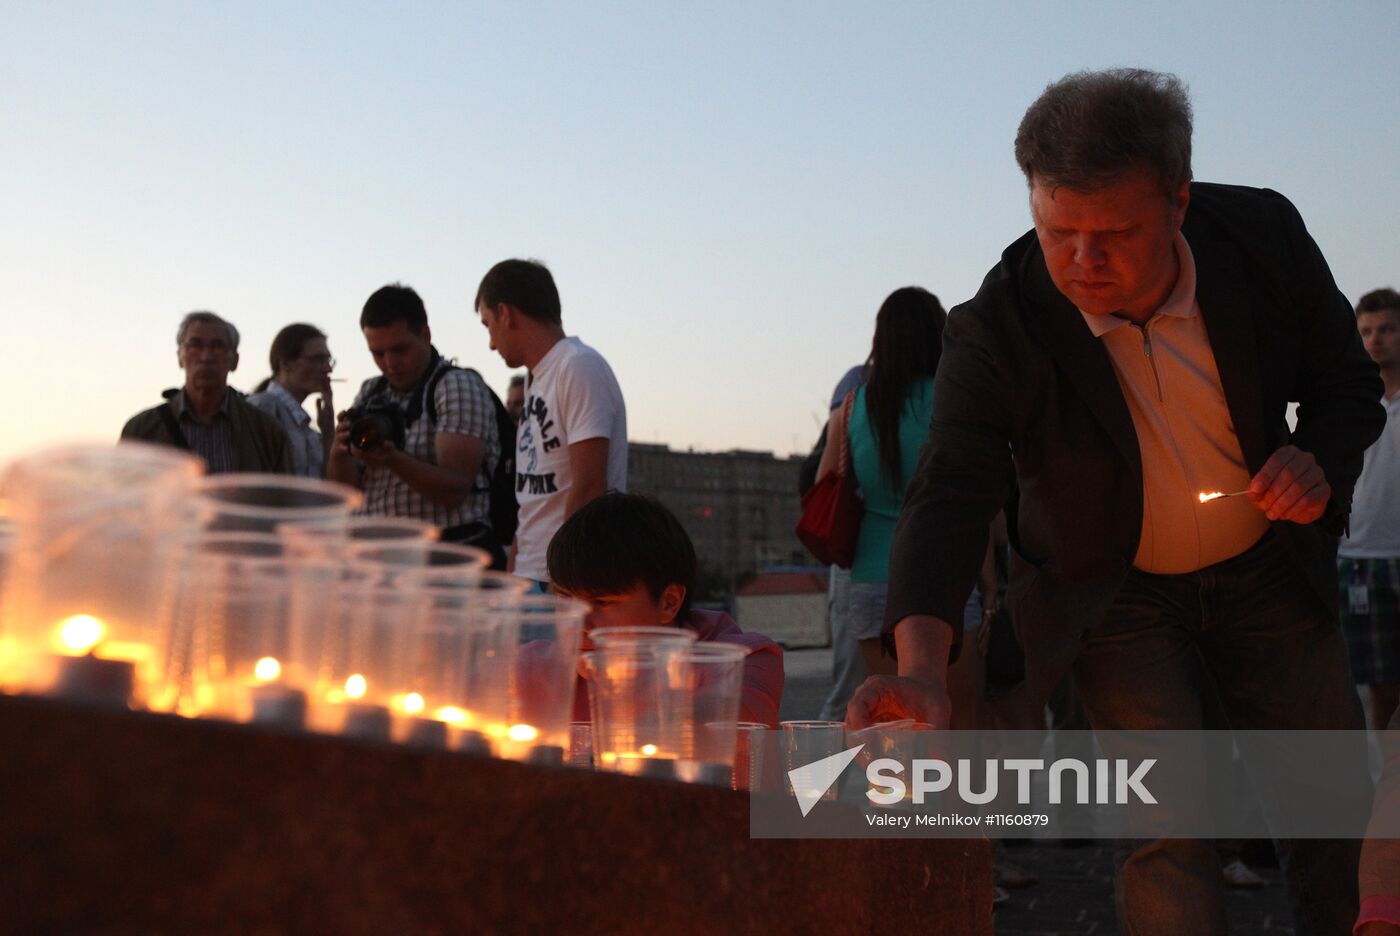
{"x":725,"y":192}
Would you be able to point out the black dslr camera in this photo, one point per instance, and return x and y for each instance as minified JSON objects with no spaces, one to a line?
{"x":375,"y":423}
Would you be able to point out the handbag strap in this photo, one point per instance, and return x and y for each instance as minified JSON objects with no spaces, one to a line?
{"x":843,"y":464}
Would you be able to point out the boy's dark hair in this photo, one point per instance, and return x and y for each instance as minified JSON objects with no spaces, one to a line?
{"x":526,"y":284}
{"x":1378,"y":300}
{"x":618,"y":540}
{"x":394,"y":303}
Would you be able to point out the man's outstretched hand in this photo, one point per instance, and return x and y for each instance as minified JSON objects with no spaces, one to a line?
{"x":891,"y":698}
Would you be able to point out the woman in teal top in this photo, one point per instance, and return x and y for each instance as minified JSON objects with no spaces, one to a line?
{"x":888,"y":425}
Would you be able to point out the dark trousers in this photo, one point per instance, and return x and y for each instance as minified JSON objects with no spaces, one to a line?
{"x":481,"y":536}
{"x":1251,"y":628}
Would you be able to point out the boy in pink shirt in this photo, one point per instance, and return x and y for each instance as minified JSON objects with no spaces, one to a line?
{"x":632,"y":561}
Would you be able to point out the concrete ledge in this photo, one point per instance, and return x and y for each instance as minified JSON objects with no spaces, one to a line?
{"x":116,"y":822}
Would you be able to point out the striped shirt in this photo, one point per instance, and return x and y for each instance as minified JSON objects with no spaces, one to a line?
{"x":211,"y":441}
{"x":464,"y":406}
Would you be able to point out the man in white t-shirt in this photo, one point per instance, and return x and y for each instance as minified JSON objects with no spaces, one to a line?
{"x":1368,"y":562}
{"x":571,"y":443}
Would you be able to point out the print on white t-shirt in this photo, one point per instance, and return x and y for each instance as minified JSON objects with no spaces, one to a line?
{"x":571,"y":396}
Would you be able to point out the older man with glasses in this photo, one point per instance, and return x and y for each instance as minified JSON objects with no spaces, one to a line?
{"x":208,"y":417}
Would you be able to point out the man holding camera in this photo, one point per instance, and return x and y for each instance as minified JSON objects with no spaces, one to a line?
{"x":421,"y":441}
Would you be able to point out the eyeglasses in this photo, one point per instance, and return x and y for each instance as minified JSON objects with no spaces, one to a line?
{"x":199,"y":345}
{"x":320,"y":359}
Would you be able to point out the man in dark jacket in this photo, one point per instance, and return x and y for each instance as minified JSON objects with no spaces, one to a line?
{"x":1137,"y":351}
{"x":207,"y":416}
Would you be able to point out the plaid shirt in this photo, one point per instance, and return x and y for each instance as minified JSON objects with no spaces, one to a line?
{"x":464,"y":407}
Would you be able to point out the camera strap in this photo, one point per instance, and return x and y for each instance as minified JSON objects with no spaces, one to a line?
{"x":172,"y":425}
{"x":425,"y":388}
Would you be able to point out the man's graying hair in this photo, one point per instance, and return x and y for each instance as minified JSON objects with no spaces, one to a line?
{"x":1087,"y":130}
{"x":207,"y":318}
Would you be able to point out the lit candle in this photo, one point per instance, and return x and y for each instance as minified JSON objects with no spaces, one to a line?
{"x":83,"y":675}
{"x":423,"y":731}
{"x":521,"y":741}
{"x":364,"y":720}
{"x":647,"y":761}
{"x":274,"y":703}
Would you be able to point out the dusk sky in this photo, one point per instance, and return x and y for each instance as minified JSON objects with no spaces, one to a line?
{"x":725,"y":192}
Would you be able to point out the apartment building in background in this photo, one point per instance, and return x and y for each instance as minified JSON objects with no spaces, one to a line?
{"x":740,"y":507}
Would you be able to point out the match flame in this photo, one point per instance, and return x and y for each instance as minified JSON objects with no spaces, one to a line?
{"x":1205,"y":498}
{"x":80,"y":633}
{"x":356,"y":686}
{"x":267,"y":669}
{"x":522,"y":733}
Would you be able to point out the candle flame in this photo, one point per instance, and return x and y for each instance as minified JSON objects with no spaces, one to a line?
{"x":412,"y":703}
{"x":267,"y":669}
{"x":356,"y":686}
{"x":649,"y":750}
{"x":454,"y":716}
{"x":80,"y":633}
{"x":1205,"y":497}
{"x":522,"y":733}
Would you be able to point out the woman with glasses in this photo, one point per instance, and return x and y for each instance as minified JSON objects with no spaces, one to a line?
{"x":301,"y":365}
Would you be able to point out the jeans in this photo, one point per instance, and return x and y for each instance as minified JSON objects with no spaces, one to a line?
{"x":1251,"y":628}
{"x":847,"y":667}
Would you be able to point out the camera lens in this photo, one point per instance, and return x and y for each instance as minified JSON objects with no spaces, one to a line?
{"x":368,"y":433}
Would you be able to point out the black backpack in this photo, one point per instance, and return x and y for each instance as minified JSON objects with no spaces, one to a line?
{"x":505,"y":512}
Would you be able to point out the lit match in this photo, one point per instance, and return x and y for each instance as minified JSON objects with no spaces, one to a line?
{"x":1216,"y":495}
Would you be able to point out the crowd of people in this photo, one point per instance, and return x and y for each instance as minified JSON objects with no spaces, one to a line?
{"x":1034,"y":459}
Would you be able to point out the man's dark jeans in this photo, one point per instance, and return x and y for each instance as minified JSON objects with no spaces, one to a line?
{"x":1253,"y":627}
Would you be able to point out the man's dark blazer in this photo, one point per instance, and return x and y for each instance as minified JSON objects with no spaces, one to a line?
{"x":1028,"y":413}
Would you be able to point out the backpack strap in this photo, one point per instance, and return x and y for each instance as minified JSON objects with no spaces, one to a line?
{"x":430,"y":390}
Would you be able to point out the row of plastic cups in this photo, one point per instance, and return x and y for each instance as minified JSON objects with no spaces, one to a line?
{"x":410,"y":641}
{"x":662,"y":704}
{"x":144,"y":584}
{"x":750,"y":758}
{"x":98,"y":535}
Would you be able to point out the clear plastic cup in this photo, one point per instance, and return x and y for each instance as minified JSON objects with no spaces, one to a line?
{"x":580,"y":753}
{"x":334,"y":537}
{"x":412,"y":559}
{"x":458,"y":663}
{"x":716,"y":677}
{"x":259,"y":503}
{"x":751,"y":741}
{"x":250,"y":625}
{"x":539,"y":637}
{"x":640,"y":694}
{"x":365,"y":677}
{"x":86,"y":604}
{"x":807,"y":741}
